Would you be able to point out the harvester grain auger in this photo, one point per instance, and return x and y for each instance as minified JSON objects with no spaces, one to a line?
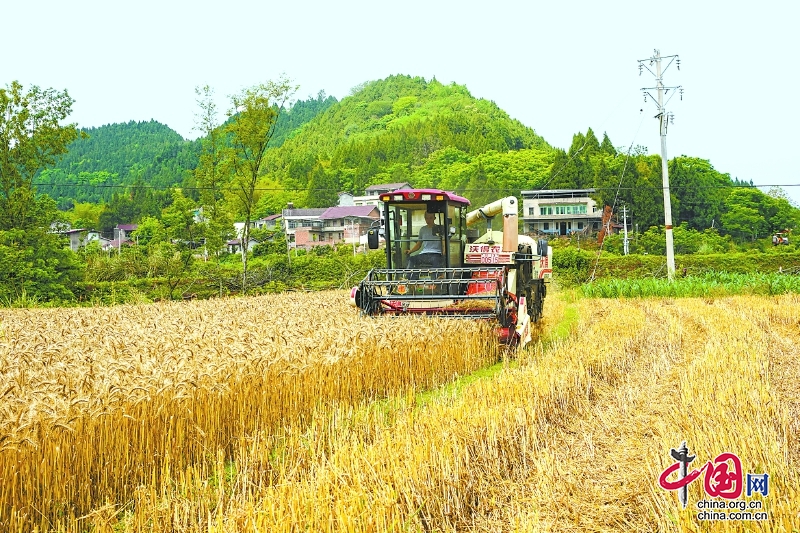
{"x":439,"y":263}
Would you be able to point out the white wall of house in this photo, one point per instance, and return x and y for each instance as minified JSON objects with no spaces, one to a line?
{"x":560,"y":212}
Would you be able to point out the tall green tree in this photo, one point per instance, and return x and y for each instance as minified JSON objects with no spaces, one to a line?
{"x":606,"y":146}
{"x":252,"y":118}
{"x":323,"y":188}
{"x":33,"y":260}
{"x":744,"y":216}
{"x":699,"y":190}
{"x":211,"y":173}
{"x":31,"y":138}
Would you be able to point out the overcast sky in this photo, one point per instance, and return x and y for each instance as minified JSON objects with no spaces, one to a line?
{"x":558,"y":67}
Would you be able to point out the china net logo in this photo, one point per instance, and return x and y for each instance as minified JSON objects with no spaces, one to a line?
{"x":723,"y":482}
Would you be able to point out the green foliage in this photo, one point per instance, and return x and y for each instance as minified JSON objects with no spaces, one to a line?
{"x":389,"y":131}
{"x":34,"y":263}
{"x":571,"y":265}
{"x":119,"y":155}
{"x":31,"y":138}
{"x":685,"y":241}
{"x":574,"y":267}
{"x":130,"y":206}
{"x":700,"y":192}
{"x":751,"y":214}
{"x":743,"y":216}
{"x":108,"y":159}
{"x":291,"y":121}
{"x":710,"y":284}
{"x":84,"y":215}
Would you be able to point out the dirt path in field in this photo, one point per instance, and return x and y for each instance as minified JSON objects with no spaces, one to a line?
{"x":608,"y":457}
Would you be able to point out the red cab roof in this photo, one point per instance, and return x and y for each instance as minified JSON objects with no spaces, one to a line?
{"x":423,"y":195}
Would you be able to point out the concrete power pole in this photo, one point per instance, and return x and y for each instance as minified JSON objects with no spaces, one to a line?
{"x":625,"y":228}
{"x":663,"y":118}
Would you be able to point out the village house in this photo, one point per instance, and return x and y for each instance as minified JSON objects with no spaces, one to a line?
{"x":302,"y":219}
{"x":336,"y":225}
{"x":560,"y":211}
{"x":373,"y":192}
{"x":268,"y":222}
{"x":234,"y":246}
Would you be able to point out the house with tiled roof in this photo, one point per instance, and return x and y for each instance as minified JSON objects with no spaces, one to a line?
{"x":336,"y":225}
{"x":123,"y":232}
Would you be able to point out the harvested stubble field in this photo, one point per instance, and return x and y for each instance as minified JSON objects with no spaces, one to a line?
{"x":259,"y":414}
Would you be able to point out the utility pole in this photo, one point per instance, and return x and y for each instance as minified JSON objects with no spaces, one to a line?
{"x":352,"y":233}
{"x":663,"y":119}
{"x":625,"y":228}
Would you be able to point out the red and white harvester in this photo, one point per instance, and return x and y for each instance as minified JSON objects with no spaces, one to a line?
{"x":494,"y":275}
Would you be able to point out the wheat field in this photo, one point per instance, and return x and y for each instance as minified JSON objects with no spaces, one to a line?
{"x":292,"y":413}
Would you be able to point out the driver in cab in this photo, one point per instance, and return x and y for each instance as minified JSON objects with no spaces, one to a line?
{"x":431,"y":253}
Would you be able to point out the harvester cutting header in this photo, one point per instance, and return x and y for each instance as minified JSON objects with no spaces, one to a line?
{"x":439,"y":263}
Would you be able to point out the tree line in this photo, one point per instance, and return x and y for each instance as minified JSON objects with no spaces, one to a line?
{"x":269,"y":150}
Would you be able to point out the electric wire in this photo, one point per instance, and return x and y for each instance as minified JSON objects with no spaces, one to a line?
{"x":169,"y":188}
{"x":616,"y":198}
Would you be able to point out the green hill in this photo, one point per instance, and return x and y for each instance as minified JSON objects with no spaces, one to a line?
{"x":408,"y":129}
{"x":405,"y":128}
{"x":110,"y":158}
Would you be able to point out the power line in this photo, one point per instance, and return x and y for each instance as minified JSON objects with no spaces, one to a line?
{"x":300,"y":189}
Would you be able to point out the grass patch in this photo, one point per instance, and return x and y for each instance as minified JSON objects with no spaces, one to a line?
{"x":559,"y":331}
{"x":710,"y":284}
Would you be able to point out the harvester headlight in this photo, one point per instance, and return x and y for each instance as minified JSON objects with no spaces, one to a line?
{"x":398,"y":197}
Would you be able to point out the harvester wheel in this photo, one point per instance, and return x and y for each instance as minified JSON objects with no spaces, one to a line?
{"x":536,"y":300}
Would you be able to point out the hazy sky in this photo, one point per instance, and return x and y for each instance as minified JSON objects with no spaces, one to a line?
{"x":559,"y":67}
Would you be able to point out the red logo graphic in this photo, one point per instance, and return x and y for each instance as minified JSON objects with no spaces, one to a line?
{"x":723,"y":477}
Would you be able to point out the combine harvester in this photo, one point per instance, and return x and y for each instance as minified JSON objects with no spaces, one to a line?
{"x":457,"y":272}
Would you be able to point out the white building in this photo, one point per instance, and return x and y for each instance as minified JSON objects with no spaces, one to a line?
{"x":373,"y":192}
{"x":560,"y":211}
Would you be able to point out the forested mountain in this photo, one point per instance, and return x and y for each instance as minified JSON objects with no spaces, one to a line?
{"x":405,"y":128}
{"x":107,"y":159}
{"x":292,"y":120}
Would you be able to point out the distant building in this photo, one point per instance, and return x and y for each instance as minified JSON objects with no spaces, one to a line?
{"x":77,"y":238}
{"x":80,"y":237}
{"x":123,"y":231}
{"x":235,"y":245}
{"x":345,"y":199}
{"x":300,"y":219}
{"x":560,"y":211}
{"x":336,"y":225}
{"x":373,"y":192}
{"x":270,"y":222}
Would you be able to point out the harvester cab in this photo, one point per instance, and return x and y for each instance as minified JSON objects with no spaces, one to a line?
{"x":439,"y":263}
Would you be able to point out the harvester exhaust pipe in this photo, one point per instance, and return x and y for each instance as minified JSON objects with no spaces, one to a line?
{"x":508,"y":207}
{"x":510,"y":233}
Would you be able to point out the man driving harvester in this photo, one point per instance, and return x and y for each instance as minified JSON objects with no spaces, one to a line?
{"x":431,"y":244}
